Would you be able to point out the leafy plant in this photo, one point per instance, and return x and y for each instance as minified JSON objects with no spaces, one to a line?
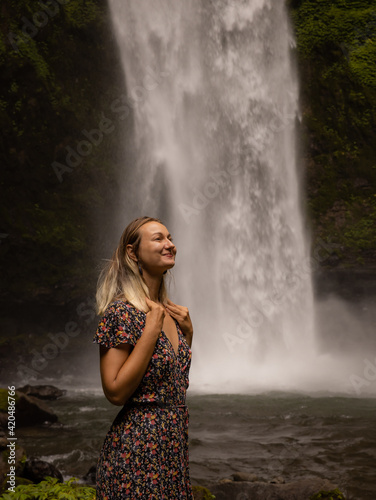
{"x":202,"y":493}
{"x":51,"y":489}
{"x":328,"y":495}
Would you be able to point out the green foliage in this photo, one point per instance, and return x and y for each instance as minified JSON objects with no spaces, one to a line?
{"x":56,"y":80}
{"x":336,"y":43}
{"x":4,"y":399}
{"x":328,"y":495}
{"x":362,"y":63}
{"x":80,"y":14}
{"x":202,"y":493}
{"x":360,"y":227}
{"x":51,"y":489}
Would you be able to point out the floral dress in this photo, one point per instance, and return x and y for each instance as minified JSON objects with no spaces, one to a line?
{"x":145,"y":453}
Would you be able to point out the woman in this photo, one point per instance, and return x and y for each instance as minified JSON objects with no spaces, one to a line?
{"x":145,"y":357}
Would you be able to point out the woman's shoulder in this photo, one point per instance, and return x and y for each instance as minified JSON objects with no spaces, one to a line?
{"x":121,"y":323}
{"x":120,"y":306}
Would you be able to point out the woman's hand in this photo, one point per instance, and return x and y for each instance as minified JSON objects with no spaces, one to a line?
{"x":156,"y":314}
{"x":181,"y":314}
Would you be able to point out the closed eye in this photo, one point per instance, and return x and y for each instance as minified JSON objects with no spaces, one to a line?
{"x":160,"y":236}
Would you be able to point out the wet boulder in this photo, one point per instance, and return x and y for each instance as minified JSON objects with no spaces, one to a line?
{"x":32,"y":411}
{"x":48,"y":392}
{"x":37,"y":470}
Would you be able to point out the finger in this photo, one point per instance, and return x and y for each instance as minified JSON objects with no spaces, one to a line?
{"x":149,"y":303}
{"x":180,"y":311}
{"x":172,"y":307}
{"x":171,"y":312}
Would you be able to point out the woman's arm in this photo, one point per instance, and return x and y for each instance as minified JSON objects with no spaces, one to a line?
{"x":123,"y":367}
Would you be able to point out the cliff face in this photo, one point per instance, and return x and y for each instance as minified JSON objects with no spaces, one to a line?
{"x":336,"y":45}
{"x":60,"y":74}
{"x":60,"y":149}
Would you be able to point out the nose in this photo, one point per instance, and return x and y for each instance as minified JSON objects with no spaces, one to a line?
{"x":170,"y":246}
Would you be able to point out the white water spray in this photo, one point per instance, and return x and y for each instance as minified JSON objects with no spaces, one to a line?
{"x":215,"y":99}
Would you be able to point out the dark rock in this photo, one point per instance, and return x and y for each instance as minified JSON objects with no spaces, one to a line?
{"x":297,"y":490}
{"x":49,"y":392}
{"x":31,"y":411}
{"x":90,"y":476}
{"x":244,"y":476}
{"x":361,"y":183}
{"x":278,"y":480}
{"x":37,"y":470}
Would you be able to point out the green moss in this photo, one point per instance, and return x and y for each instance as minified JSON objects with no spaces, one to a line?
{"x":336,"y":46}
{"x":80,"y":14}
{"x":328,"y":495}
{"x":362,"y":63}
{"x":54,"y":84}
{"x":202,"y":493}
{"x":360,"y":227}
{"x":4,"y":399}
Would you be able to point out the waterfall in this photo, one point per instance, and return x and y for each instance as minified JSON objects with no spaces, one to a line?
{"x":214,"y":96}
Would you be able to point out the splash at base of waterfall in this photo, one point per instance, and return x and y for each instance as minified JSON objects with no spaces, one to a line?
{"x":311,"y":374}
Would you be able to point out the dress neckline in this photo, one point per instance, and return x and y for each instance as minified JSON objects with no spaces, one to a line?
{"x":179,"y":339}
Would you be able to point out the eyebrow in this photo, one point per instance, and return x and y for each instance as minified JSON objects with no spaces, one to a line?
{"x":161,"y":234}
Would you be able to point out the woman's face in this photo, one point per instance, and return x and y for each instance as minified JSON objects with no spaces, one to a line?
{"x":156,"y":252}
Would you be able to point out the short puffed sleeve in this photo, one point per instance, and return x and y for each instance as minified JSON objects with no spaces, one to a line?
{"x":121,"y":323}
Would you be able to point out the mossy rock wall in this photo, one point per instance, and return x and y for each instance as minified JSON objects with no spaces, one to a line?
{"x":60,"y":73}
{"x":336,"y":45}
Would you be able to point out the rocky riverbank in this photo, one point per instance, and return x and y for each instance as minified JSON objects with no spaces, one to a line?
{"x":239,"y":486}
{"x":242,"y":488}
{"x":24,"y":407}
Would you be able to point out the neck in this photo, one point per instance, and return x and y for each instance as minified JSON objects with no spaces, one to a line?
{"x":153,"y":282}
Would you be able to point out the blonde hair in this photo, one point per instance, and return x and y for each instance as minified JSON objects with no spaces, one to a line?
{"x":121,"y":277}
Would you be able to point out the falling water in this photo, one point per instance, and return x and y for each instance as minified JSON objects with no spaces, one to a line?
{"x":214,"y":97}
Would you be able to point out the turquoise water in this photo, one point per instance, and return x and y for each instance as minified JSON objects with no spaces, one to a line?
{"x":271,"y":434}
